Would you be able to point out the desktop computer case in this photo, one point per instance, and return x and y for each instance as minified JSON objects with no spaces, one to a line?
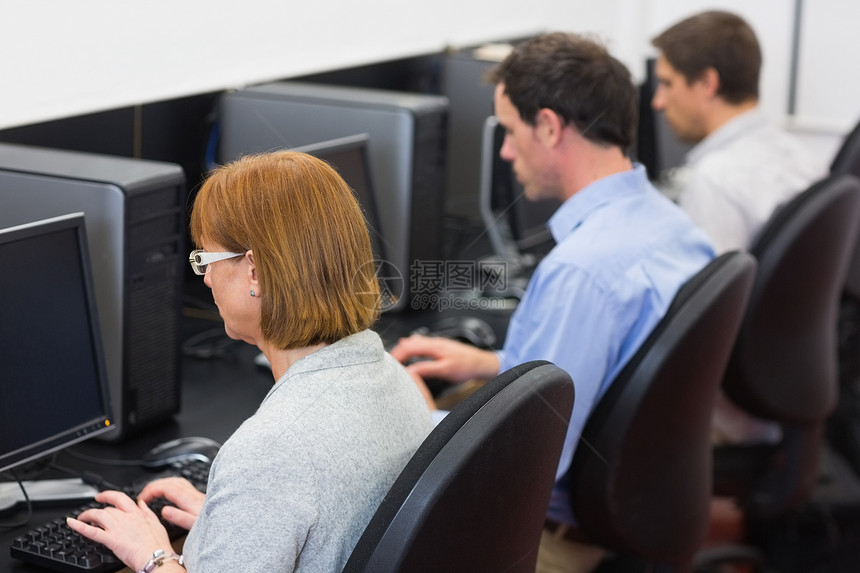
{"x":134,"y":212}
{"x":408,"y":133}
{"x":471,"y":102}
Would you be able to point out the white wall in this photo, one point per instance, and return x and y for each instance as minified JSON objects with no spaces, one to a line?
{"x":828,"y":94}
{"x":68,"y":58}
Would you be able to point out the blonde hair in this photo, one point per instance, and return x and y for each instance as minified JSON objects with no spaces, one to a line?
{"x":309,"y":239}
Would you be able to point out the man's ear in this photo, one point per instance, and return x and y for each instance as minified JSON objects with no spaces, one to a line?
{"x":549,"y":127}
{"x":709,"y":82}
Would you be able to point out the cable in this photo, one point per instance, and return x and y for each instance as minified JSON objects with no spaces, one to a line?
{"x":102,"y":461}
{"x":212,"y":343}
{"x":87,"y":477}
{"x":35,"y":469}
{"x":29,"y":516}
{"x":205,"y":307}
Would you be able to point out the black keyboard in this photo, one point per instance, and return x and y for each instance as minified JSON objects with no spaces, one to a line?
{"x":194,"y":470}
{"x":55,"y":546}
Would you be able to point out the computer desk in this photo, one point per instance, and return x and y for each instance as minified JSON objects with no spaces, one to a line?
{"x":217,"y":395}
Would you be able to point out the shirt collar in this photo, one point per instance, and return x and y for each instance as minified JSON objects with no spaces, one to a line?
{"x":576,"y":209}
{"x":360,"y":348}
{"x":733,"y":129}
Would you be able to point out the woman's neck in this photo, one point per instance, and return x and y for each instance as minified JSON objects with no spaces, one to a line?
{"x":282,"y":360}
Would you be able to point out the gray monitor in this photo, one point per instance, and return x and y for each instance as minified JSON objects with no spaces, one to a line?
{"x":407,"y":137}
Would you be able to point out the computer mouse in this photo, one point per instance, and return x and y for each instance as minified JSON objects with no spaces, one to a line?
{"x":470,"y":329}
{"x":181,"y":449}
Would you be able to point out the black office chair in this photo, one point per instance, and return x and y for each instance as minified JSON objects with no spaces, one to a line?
{"x":784,"y":364}
{"x":475,"y":494}
{"x":640,"y":481}
{"x":847,"y":161}
{"x":843,"y":428}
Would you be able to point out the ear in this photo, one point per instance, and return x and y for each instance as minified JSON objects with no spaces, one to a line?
{"x":252,"y":271}
{"x":709,"y":82}
{"x":549,"y":127}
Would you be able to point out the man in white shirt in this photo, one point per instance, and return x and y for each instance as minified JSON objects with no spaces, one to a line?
{"x":742,"y":167}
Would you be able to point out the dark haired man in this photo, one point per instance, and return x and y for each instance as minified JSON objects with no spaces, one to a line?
{"x":742,"y":166}
{"x":622,"y":249}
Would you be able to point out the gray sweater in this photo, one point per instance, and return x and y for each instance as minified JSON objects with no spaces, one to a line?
{"x":296,"y":484}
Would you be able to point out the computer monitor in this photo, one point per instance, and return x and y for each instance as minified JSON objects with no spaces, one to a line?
{"x":349,"y":156}
{"x":53,"y":381}
{"x":657,"y":146}
{"x":516,"y":226}
{"x":408,"y":134}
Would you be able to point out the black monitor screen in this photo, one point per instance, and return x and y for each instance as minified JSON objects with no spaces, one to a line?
{"x":657,"y":146}
{"x":526,"y":219}
{"x":53,"y":387}
{"x":348,"y":155}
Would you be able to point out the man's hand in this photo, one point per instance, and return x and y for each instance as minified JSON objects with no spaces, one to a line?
{"x":446,"y":359}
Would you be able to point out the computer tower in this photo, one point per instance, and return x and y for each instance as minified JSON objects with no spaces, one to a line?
{"x":134,"y":211}
{"x":470,"y":96}
{"x":407,"y":153}
{"x":471,"y":102}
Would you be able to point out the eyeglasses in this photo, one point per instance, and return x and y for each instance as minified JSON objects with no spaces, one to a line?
{"x":200,"y":259}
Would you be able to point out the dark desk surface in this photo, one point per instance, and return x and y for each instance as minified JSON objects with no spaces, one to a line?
{"x":217,"y":395}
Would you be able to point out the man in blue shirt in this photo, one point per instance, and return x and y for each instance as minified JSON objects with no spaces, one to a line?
{"x":622,"y":249}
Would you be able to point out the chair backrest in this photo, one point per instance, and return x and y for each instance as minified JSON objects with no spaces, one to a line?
{"x":475,"y":494}
{"x":847,"y":161}
{"x":784,"y":364}
{"x":640,"y":482}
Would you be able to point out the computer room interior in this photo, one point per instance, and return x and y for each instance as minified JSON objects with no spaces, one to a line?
{"x":183,"y":129}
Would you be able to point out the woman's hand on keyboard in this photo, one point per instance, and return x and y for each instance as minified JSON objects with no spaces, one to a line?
{"x":131,"y":530}
{"x":181,"y":493}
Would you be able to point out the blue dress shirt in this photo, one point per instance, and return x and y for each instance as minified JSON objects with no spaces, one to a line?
{"x":622,"y":251}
